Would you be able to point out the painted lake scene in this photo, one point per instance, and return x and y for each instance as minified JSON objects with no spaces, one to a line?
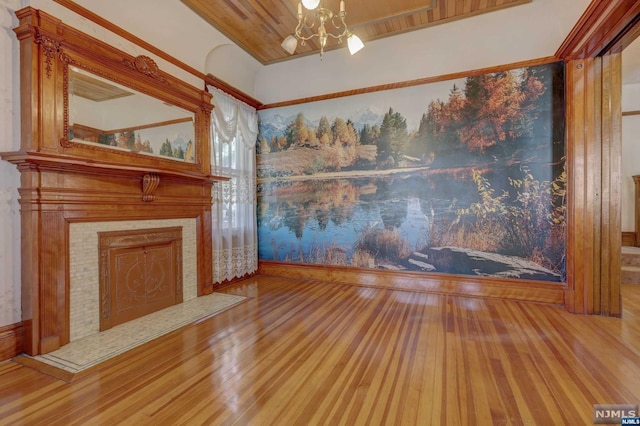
{"x":460,"y":177}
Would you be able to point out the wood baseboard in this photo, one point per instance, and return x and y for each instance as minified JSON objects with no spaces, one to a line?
{"x":523,"y":290}
{"x":10,"y":341}
{"x":629,"y":239}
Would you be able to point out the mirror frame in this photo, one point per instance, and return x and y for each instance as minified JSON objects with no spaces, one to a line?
{"x":60,"y":47}
{"x":140,"y":62}
{"x":143,"y":75}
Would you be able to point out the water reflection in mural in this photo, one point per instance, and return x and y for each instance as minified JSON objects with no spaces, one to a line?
{"x":469,"y":190}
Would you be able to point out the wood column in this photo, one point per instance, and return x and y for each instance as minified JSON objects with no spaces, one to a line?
{"x":611,"y":225}
{"x":583,"y":191}
{"x":593,"y":162}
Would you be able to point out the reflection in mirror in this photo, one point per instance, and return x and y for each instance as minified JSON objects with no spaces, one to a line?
{"x":106,"y":113}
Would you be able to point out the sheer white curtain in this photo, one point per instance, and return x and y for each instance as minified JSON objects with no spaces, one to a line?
{"x":234,"y":129}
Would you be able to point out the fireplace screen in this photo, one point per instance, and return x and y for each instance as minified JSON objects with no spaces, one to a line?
{"x":140,"y":273}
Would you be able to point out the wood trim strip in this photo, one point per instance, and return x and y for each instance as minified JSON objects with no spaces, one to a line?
{"x":11,"y":341}
{"x":521,"y":290}
{"x":629,"y":113}
{"x":208,"y":79}
{"x":416,"y":82}
{"x":86,"y":13}
{"x":629,"y":239}
{"x":581,"y":29}
{"x":230,"y":90}
{"x":600,"y":26}
{"x":150,"y":125}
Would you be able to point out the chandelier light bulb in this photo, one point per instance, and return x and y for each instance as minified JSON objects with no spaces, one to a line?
{"x":310,"y":4}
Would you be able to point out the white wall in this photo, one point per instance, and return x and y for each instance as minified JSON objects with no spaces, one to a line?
{"x":630,"y":167}
{"x":529,"y":31}
{"x":630,"y":132}
{"x":630,"y":153}
{"x":9,"y":176}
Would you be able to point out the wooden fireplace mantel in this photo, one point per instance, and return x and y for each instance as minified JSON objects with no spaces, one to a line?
{"x":62,"y":163}
{"x":65,"y":180}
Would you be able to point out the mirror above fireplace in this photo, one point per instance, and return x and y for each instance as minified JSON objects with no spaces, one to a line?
{"x":111,"y":115}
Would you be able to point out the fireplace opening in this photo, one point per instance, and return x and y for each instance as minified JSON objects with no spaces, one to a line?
{"x":140,"y":273}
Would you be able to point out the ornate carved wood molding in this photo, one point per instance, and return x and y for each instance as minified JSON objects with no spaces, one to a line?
{"x":146,"y":66}
{"x":150,"y":182}
{"x":50,"y":48}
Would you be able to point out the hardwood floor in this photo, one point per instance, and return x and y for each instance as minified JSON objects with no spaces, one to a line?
{"x":305,"y":352}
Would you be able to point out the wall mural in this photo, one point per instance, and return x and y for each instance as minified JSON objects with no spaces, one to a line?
{"x":462,"y":177}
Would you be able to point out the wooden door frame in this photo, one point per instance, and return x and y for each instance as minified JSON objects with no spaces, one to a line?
{"x":594,"y":138}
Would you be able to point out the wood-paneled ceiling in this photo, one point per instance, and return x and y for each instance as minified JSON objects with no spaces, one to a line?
{"x":259,"y":26}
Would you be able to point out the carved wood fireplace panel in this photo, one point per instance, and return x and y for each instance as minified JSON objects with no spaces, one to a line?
{"x":140,"y":273}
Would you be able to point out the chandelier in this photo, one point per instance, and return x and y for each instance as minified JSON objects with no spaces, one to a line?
{"x":315,"y":19}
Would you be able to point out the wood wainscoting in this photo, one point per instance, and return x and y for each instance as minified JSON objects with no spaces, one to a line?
{"x":11,"y":338}
{"x":524,"y":290}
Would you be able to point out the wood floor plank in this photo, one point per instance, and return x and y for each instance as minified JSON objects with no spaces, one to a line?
{"x":301,"y":352}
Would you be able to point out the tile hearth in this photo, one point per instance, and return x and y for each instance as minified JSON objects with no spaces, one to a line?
{"x":89,"y":351}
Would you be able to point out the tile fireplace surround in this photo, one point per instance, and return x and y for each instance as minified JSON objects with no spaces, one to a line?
{"x":84,"y":268}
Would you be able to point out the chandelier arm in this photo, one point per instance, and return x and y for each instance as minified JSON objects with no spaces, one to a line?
{"x":344,"y":33}
{"x":305,"y":38}
{"x":302,"y":23}
{"x":341,"y":23}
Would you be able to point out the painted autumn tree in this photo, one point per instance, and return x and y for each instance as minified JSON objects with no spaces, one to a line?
{"x":492,"y":109}
{"x":342,"y":152}
{"x":127,"y":140}
{"x":142,"y":146}
{"x":298,"y":133}
{"x":497,"y":109}
{"x":189,"y":153}
{"x":323,"y":132}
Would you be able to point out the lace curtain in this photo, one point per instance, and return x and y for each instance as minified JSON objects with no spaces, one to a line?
{"x":234,"y":129}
